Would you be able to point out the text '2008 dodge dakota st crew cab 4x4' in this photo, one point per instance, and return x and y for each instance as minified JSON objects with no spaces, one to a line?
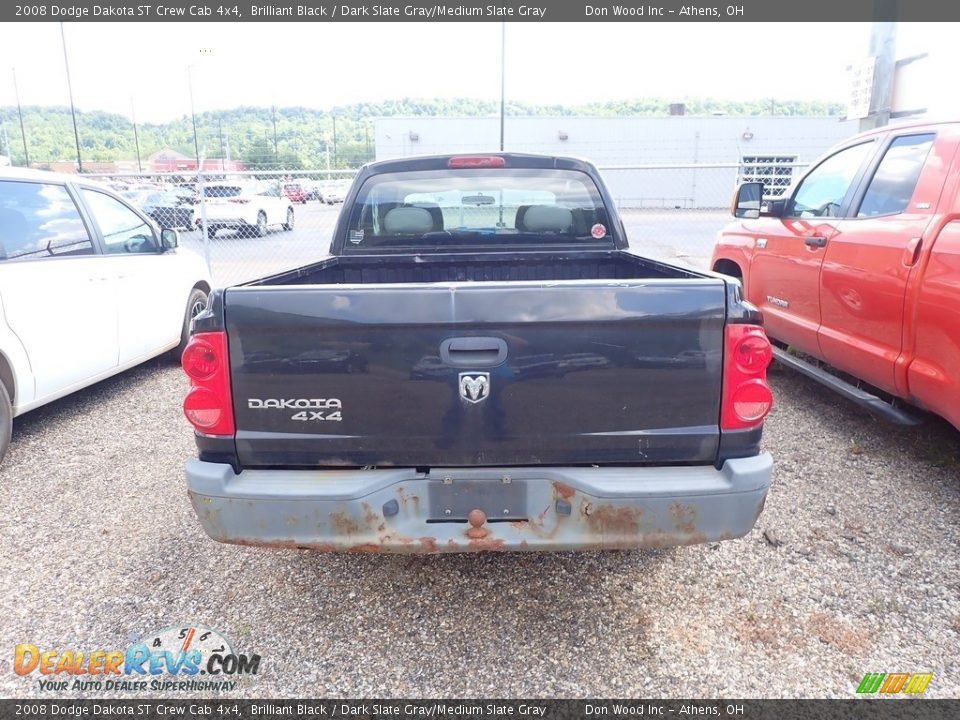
{"x":857,"y":267}
{"x":481,"y":365}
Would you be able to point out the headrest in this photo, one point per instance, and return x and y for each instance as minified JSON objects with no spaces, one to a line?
{"x":12,"y":222}
{"x":545,"y":218}
{"x":408,"y":221}
{"x":13,"y":230}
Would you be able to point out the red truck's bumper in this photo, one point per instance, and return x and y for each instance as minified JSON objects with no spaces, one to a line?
{"x":534,"y":508}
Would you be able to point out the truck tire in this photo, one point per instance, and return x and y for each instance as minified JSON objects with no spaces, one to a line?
{"x":6,"y":420}
{"x":196,"y":304}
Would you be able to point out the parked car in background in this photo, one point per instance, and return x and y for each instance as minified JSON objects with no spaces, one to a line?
{"x":187,"y":193}
{"x":168,"y":209}
{"x":295,"y":192}
{"x":89,"y":286}
{"x":248,"y":209}
{"x":313,"y":189}
{"x":334,"y":191}
{"x":857,"y":269}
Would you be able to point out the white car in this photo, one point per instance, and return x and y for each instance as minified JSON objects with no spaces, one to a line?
{"x":334,"y":191}
{"x":248,"y":209}
{"x":89,"y":287}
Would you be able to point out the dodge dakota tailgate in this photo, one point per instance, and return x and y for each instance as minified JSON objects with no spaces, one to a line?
{"x":479,"y":373}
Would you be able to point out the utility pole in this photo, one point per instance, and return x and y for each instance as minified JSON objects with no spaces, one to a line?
{"x":222,"y":157}
{"x":276,"y":152}
{"x":503,"y":78}
{"x":73,"y":110}
{"x":883,"y":47}
{"x":23,"y":134}
{"x":136,"y":137}
{"x":334,"y":140}
{"x":193,"y":115}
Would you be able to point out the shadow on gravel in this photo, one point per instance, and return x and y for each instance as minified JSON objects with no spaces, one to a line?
{"x":88,"y":399}
{"x":935,"y":441}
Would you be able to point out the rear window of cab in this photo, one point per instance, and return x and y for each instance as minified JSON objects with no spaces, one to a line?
{"x":483,"y":206}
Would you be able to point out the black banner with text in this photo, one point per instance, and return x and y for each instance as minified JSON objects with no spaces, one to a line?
{"x":534,"y":11}
{"x":227,"y":709}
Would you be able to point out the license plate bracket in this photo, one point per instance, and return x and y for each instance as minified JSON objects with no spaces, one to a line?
{"x":453,"y":500}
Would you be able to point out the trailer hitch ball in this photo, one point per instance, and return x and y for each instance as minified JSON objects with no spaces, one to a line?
{"x":477,"y":518}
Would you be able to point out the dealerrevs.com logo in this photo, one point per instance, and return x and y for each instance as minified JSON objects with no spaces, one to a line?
{"x":180,"y":657}
{"x":894,"y":683}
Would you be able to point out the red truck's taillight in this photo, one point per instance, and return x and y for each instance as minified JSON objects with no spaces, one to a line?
{"x":208,"y":405}
{"x":746,"y":396}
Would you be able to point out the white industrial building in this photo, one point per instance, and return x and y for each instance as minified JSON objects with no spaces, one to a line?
{"x":768,"y":148}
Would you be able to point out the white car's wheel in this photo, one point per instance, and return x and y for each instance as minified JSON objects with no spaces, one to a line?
{"x":196,"y":304}
{"x":6,"y":420}
{"x":288,"y":225}
{"x":261,"y":224}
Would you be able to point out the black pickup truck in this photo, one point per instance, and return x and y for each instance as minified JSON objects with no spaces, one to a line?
{"x":480,"y":364}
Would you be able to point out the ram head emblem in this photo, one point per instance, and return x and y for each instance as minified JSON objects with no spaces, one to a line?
{"x":474,"y":387}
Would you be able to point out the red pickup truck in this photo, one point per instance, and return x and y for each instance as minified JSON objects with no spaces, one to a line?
{"x":857,"y":267}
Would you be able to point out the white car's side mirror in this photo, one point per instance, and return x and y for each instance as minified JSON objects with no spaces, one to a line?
{"x":169,"y":239}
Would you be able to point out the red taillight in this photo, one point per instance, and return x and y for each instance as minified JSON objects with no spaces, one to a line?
{"x":477,"y":161}
{"x":746,"y":396}
{"x":753,"y":353}
{"x":208,"y":405}
{"x":200,"y":359}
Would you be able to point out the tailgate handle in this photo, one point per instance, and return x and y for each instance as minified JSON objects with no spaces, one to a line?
{"x":473,"y":351}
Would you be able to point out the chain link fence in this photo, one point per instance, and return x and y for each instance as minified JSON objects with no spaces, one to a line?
{"x":251,"y":224}
{"x":673,"y":212}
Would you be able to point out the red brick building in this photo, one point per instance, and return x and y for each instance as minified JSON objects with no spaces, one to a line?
{"x":169,"y":160}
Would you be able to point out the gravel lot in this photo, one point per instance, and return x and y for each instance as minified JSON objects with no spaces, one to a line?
{"x":101,"y":546}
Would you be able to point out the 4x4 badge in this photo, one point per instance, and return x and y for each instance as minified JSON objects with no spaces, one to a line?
{"x":474,"y":387}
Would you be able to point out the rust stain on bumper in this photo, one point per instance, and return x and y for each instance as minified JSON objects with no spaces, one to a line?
{"x":594,"y":524}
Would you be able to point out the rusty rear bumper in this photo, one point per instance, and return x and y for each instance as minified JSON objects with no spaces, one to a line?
{"x":405,"y":511}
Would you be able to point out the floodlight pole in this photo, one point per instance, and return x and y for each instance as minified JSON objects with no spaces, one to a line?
{"x":503,"y":77}
{"x":136,"y":136}
{"x":23,"y":134}
{"x":276,"y":152}
{"x":193,"y":116}
{"x":73,"y":110}
{"x":223,"y":165}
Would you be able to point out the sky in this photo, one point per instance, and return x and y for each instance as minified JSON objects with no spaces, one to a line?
{"x":118,"y":66}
